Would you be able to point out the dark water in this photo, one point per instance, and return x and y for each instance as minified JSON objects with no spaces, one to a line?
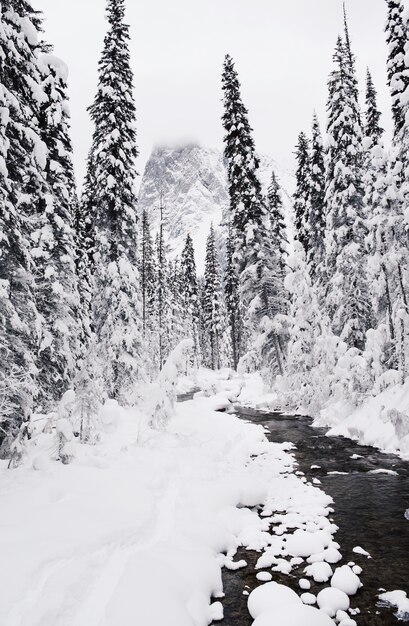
{"x":369,"y":511}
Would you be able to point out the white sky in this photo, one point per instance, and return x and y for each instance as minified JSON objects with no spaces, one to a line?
{"x":282,"y":48}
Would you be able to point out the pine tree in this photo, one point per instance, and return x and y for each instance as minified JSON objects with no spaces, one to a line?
{"x":351,"y":64}
{"x":162,"y":305}
{"x":306,"y":328}
{"x":347,"y":292}
{"x":396,"y":66}
{"x":57,"y":294}
{"x":248,"y":216}
{"x":22,"y":184}
{"x":147,"y":273}
{"x":302,"y":193}
{"x":247,"y":210}
{"x":373,"y":129}
{"x":246,"y":202}
{"x":277,"y":226}
{"x":231,"y":292}
{"x":117,"y":304}
{"x":316,"y":203}
{"x":191,"y":296}
{"x":213,"y":306}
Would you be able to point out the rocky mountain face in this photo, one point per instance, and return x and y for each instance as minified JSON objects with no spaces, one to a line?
{"x":192,"y":183}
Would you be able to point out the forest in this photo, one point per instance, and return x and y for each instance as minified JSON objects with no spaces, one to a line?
{"x":103,"y":328}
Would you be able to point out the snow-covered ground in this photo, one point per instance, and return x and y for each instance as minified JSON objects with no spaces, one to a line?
{"x":136,"y":529}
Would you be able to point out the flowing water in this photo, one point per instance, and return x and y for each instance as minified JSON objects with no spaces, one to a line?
{"x":369,"y":511}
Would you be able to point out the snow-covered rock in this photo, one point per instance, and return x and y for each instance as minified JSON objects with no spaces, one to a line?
{"x":269,"y":596}
{"x":291,"y":615}
{"x":331,"y":600}
{"x":345,"y":580}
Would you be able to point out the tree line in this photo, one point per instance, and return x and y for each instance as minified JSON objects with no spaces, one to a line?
{"x":88,"y":295}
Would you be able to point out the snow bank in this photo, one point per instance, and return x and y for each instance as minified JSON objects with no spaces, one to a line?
{"x":381,"y":421}
{"x":137,"y":527}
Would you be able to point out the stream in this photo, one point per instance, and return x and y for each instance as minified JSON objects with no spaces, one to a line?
{"x":369,"y":511}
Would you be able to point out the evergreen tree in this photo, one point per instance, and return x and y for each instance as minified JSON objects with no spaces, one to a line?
{"x":316,"y":203}
{"x":176,"y":318}
{"x":302,"y":192}
{"x":248,"y":215}
{"x":277,"y":226}
{"x":57,"y":294}
{"x":147,"y":273}
{"x":213,"y":305}
{"x":162,"y":306}
{"x":117,"y":304}
{"x":306,"y":329}
{"x":231,"y":292}
{"x":22,"y":185}
{"x":346,"y":291}
{"x":396,"y":66}
{"x":351,"y":63}
{"x":191,"y":296}
{"x":373,"y":129}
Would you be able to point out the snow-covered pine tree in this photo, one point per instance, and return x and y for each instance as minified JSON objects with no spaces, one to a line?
{"x":351,"y":63}
{"x":213,"y":305}
{"x":56,"y":278}
{"x":247,"y":210}
{"x":373,"y":128}
{"x":381,"y":205}
{"x":22,"y":184}
{"x":396,"y":66}
{"x":298,"y":387}
{"x":191,"y":304}
{"x":232,"y":299}
{"x":302,"y":192}
{"x":398,"y":39}
{"x":162,"y":299}
{"x":260,"y":288}
{"x":176,"y":314}
{"x":147,"y":273}
{"x":316,"y":204}
{"x":347,"y":298}
{"x":117,"y":304}
{"x":84,"y":227}
{"x":277,"y":226}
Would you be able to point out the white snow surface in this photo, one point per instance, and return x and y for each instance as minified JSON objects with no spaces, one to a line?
{"x":138,"y":526}
{"x":398,"y":600}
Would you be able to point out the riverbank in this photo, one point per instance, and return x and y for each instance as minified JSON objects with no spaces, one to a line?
{"x":137,"y":527}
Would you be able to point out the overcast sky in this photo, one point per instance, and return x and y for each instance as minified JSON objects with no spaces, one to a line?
{"x":282,"y":49}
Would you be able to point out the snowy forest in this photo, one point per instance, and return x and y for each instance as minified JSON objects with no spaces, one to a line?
{"x":98,"y":317}
{"x":89,"y":299}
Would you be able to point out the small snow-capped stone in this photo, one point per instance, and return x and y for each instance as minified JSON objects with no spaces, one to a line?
{"x":216,"y":612}
{"x":359,"y":550}
{"x":293,"y":615}
{"x":304,"y":583}
{"x":320,"y":572}
{"x":304,"y":544}
{"x":308,"y":598}
{"x":269,"y":596}
{"x":264,"y":576}
{"x":332,"y":600}
{"x":345,"y":580}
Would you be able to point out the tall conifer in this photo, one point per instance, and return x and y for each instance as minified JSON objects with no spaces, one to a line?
{"x":117,"y":303}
